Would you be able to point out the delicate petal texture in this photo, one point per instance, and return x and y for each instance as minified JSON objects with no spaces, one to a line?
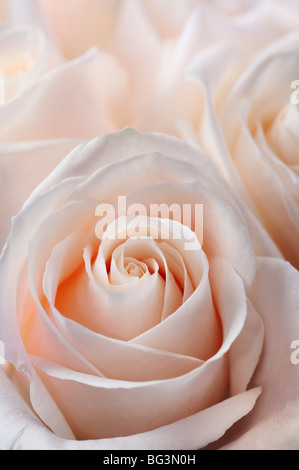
{"x":21,"y":11}
{"x":25,"y":432}
{"x":241,"y":317}
{"x":26,"y":55}
{"x":145,"y":297}
{"x":274,"y":423}
{"x":98,"y":19}
{"x":46,"y":113}
{"x":23,"y":167}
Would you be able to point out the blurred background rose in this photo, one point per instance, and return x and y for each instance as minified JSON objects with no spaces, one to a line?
{"x":129,"y":62}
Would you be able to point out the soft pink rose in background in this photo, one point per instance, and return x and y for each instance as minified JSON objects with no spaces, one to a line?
{"x":139,"y":343}
{"x":14,"y":12}
{"x":253,"y":137}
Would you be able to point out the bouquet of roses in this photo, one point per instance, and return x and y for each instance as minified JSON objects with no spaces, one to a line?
{"x":149,"y":178}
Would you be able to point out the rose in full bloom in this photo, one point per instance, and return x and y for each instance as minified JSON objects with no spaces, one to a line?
{"x":134,"y":341}
{"x":253,"y":138}
{"x":113,"y":341}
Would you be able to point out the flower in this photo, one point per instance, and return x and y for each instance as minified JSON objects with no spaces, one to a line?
{"x":254,"y":142}
{"x":137,"y":342}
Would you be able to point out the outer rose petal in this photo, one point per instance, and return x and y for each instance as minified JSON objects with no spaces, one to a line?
{"x":237,"y":146}
{"x":65,"y":199}
{"x":23,"y":431}
{"x":274,"y":423}
{"x":54,"y":109}
{"x":20,"y":11}
{"x":25,"y":55}
{"x":86,"y":27}
{"x":263,"y":181}
{"x":22,"y":167}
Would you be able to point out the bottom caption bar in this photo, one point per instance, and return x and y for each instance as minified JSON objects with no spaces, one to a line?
{"x":149,"y":458}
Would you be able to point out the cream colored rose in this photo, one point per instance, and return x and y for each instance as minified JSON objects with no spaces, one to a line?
{"x":255,"y":141}
{"x":27,"y":51}
{"x":137,"y":342}
{"x":131,"y":60}
{"x":25,"y":56}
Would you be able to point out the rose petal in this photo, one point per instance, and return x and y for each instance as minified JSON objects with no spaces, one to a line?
{"x":193,"y":329}
{"x":25,"y":431}
{"x":285,"y":172}
{"x":239,"y":318}
{"x":213,"y":142}
{"x":109,"y":408}
{"x":23,"y":167}
{"x":257,"y":173}
{"x":99,"y":20}
{"x":26,"y":54}
{"x":282,"y":135}
{"x":170,"y":16}
{"x":274,"y":422}
{"x":120,"y":314}
{"x":132,"y":23}
{"x":59,"y":200}
{"x":246,"y":351}
{"x":114,"y":358}
{"x":22,"y":12}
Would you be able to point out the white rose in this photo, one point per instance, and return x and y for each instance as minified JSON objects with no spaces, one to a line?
{"x":141,"y":343}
